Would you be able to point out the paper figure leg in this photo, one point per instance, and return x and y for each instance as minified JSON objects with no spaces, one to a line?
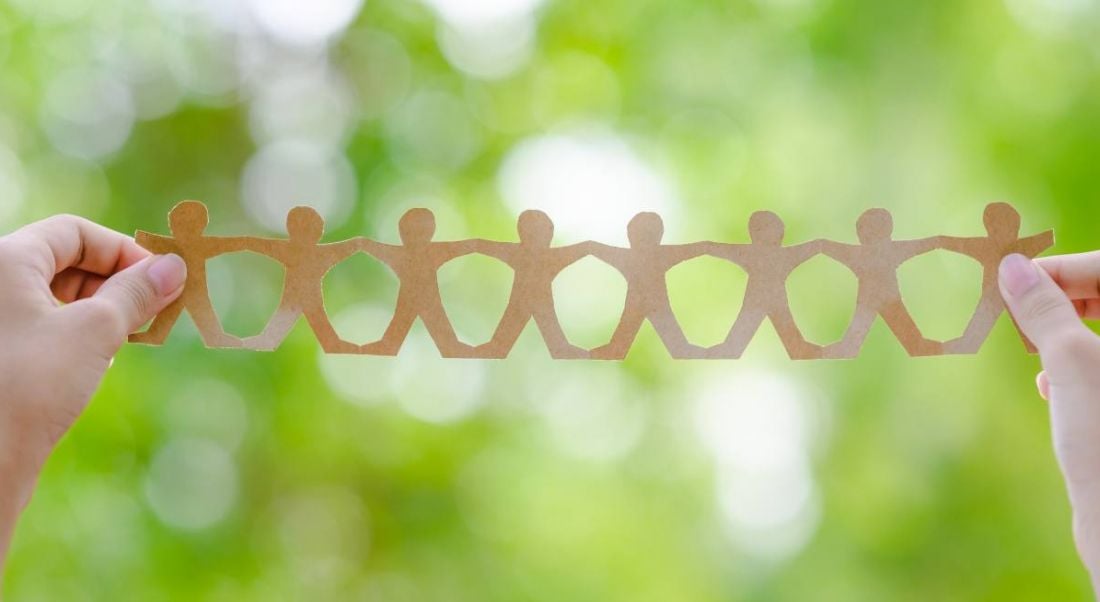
{"x":511,"y":325}
{"x":798,"y":348}
{"x":210,"y":328}
{"x":276,"y":330}
{"x":326,"y":334}
{"x":901,"y":323}
{"x":556,"y":342}
{"x":623,"y":337}
{"x":977,"y":331}
{"x":443,"y":333}
{"x":396,"y":332}
{"x":744,"y":327}
{"x":849,"y":346}
{"x":668,"y":328}
{"x":1031,"y":348}
{"x":161,"y":326}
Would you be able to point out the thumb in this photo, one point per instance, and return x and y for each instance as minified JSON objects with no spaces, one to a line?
{"x":131,"y":298}
{"x":1048,"y":317}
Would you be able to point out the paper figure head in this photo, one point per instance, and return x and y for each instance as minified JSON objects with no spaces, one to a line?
{"x":645,"y":229}
{"x":188,"y":218}
{"x":875,"y":225}
{"x":305,"y":224}
{"x":535,"y":228}
{"x":766,"y":228}
{"x":417,"y":225}
{"x":1002,"y":221}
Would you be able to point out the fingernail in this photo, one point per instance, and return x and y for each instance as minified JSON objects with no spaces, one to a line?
{"x":168,"y":273}
{"x":1018,"y":274}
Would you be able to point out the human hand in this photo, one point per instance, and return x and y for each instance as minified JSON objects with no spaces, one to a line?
{"x":1048,"y":298}
{"x":53,"y":356}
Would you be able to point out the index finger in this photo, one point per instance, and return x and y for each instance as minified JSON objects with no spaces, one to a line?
{"x":1078,"y":275}
{"x":62,"y":242}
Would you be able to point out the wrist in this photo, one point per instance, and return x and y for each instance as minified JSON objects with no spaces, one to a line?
{"x":1085,"y":500}
{"x":14,"y":489}
{"x":18,"y":471}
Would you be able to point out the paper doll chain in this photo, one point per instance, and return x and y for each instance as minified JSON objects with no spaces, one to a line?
{"x":536,"y":263}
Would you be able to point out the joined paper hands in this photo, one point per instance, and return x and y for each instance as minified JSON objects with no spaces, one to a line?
{"x":644,"y":264}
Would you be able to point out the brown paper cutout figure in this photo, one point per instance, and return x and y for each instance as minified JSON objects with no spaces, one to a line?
{"x":1002,"y":224}
{"x":875,"y":262}
{"x":416,"y":263}
{"x":188,"y":221}
{"x":768,"y":264}
{"x":536,"y":265}
{"x":306,"y":262}
{"x":644,"y":265}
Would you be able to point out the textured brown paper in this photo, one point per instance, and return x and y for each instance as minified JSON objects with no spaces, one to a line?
{"x":644,"y":265}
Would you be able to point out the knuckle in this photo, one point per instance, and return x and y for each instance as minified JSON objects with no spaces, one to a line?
{"x":13,"y":245}
{"x":19,"y":251}
{"x":63,"y":219}
{"x":50,"y":226}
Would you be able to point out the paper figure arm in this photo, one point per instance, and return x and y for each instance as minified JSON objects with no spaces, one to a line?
{"x":1032,"y":246}
{"x":495,"y":249}
{"x":268,"y":247}
{"x":571,"y":254}
{"x":387,"y":254}
{"x":338,"y":251}
{"x":446,"y":251}
{"x":156,"y":243}
{"x":731,"y":252}
{"x":912,"y":248}
{"x":802,"y":253}
{"x":679,"y":253}
{"x":221,"y":245}
{"x":613,"y":256}
{"x":958,"y":244}
{"x":839,"y":251}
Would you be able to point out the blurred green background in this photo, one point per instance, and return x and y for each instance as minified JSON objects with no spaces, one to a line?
{"x":227,"y":476}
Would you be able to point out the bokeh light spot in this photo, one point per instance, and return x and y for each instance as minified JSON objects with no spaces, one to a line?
{"x":304,"y":23}
{"x":314,"y":104}
{"x":87,"y":114}
{"x":284,"y":175}
{"x":191,"y":483}
{"x":590,"y":183}
{"x":471,"y":15}
{"x":491,"y":51}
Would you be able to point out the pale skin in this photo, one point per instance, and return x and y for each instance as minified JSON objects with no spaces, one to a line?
{"x":53,"y":356}
{"x":1049,"y":297}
